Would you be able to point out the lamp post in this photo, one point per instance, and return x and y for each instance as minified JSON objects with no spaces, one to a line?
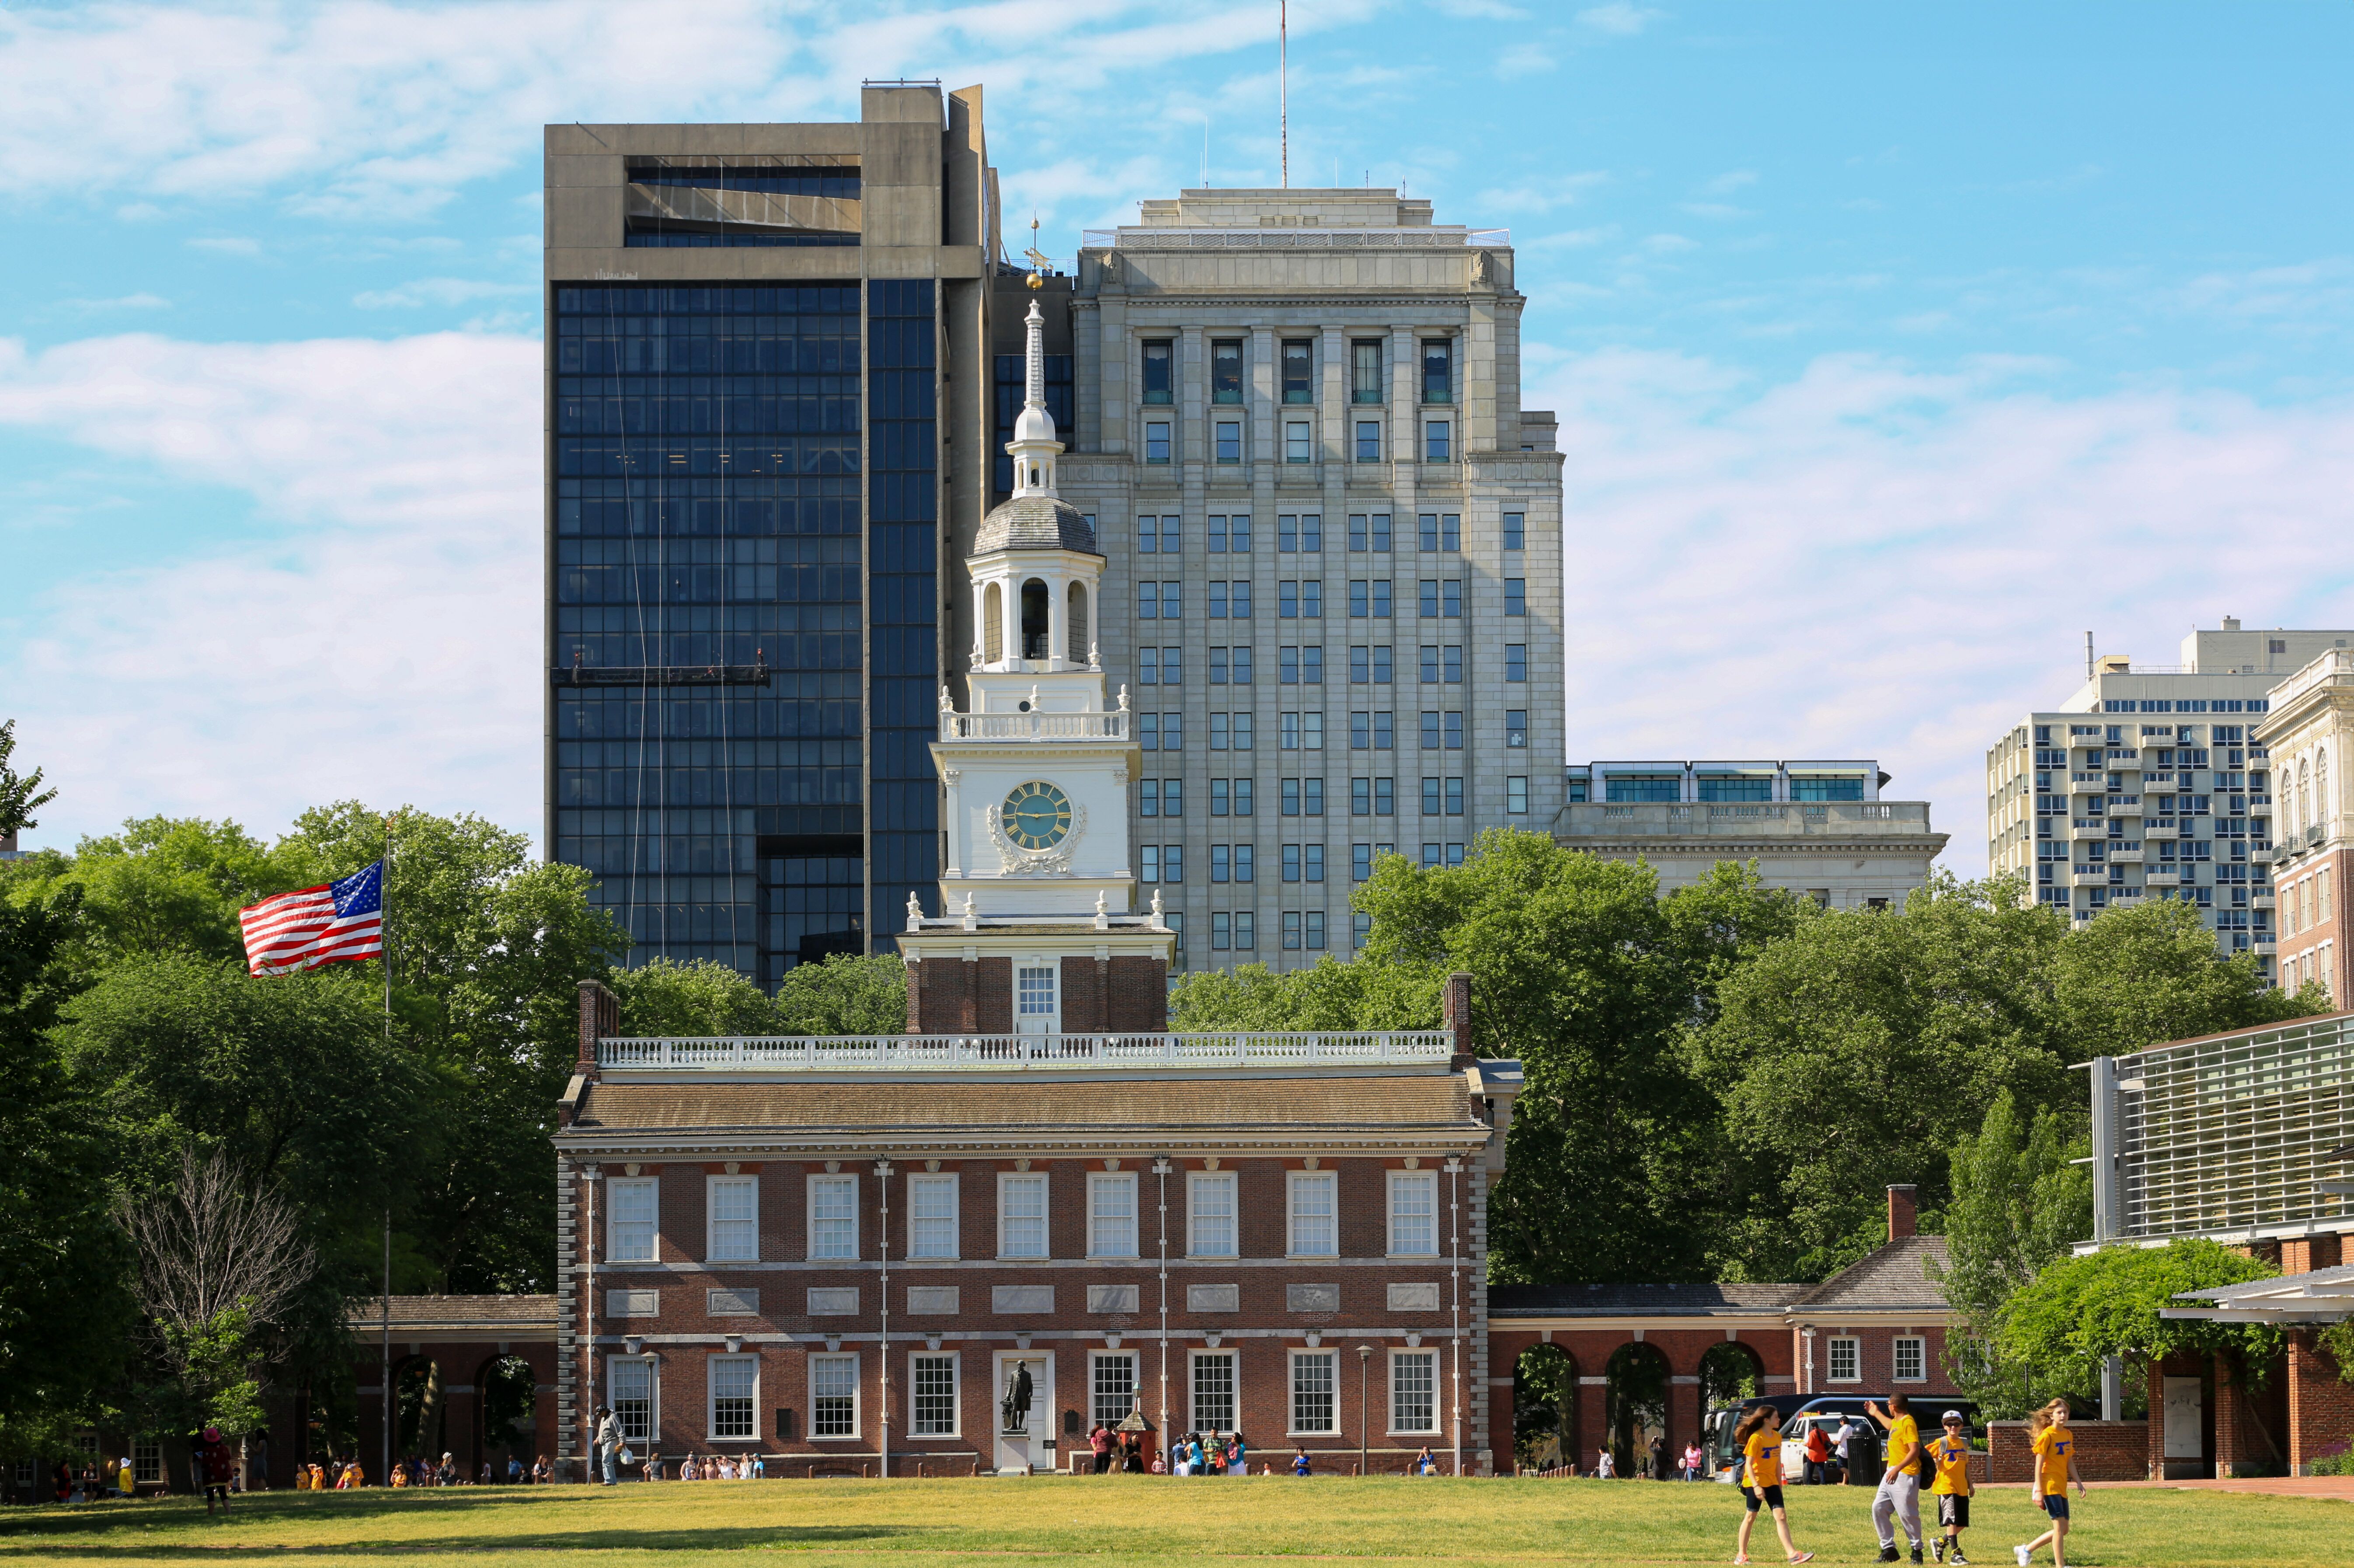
{"x":1364,"y":1377}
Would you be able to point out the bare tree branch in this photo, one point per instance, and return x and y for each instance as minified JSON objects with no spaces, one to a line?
{"x":216,"y":1243}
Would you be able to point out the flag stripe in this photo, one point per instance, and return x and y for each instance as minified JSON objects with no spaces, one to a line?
{"x":336,"y":922}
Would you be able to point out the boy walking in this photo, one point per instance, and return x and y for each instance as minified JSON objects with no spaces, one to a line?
{"x":1950,"y":1455}
{"x":1899,"y":1497}
{"x":2055,"y":1448}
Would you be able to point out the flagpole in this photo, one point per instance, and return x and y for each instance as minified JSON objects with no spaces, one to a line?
{"x":384,"y":962}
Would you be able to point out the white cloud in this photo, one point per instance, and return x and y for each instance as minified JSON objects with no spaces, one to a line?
{"x":141,"y":301}
{"x":1523,"y":60}
{"x":1619,"y":19}
{"x":379,"y":641}
{"x":1541,"y":195}
{"x":1847,"y":564}
{"x":435,"y":292}
{"x":234,"y":246}
{"x":1731,"y":180}
{"x":1478,"y":10}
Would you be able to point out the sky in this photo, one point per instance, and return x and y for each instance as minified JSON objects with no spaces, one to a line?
{"x":1895,"y":348}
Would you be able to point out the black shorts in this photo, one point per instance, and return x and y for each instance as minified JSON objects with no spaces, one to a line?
{"x":1763,"y":1496}
{"x":1953,"y":1510}
{"x":2056,"y":1504}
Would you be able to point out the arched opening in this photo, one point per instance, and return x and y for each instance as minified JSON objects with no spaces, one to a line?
{"x":992,"y":624}
{"x":1635,"y":1406}
{"x":1544,"y":1414}
{"x":420,"y":1411}
{"x":1037,"y":610}
{"x":1078,"y":619}
{"x":1730,"y":1373}
{"x":2303,"y":805}
{"x":509,"y":1395}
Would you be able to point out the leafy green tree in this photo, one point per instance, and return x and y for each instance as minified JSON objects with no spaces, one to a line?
{"x":699,"y":996}
{"x":1329,"y":995}
{"x":846,"y":994}
{"x":21,"y":795}
{"x":2139,"y":977}
{"x":2019,"y":1200}
{"x":167,"y":885}
{"x":2079,"y":1310}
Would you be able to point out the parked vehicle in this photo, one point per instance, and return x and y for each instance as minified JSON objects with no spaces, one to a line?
{"x":1724,"y":1459}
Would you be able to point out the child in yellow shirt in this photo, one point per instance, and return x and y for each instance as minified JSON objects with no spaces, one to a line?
{"x":1759,"y":1435}
{"x":1951,"y":1455}
{"x":2055,"y":1448}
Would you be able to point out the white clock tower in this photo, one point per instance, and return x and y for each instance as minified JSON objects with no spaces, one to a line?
{"x":1036,"y":776}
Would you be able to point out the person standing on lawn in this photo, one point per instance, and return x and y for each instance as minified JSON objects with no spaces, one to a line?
{"x":1950,"y":1455}
{"x":1819,"y":1455}
{"x":1899,"y":1497}
{"x":1760,"y":1437}
{"x":2055,"y":1451}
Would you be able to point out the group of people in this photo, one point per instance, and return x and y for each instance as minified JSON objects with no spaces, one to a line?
{"x":1946,"y":1460}
{"x":711,"y":1467}
{"x":1690,"y":1466}
{"x":1200,"y":1454}
{"x":1120,"y":1451}
{"x":349,"y":1475}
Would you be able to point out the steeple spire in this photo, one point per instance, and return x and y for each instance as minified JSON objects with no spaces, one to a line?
{"x":1035,"y":447}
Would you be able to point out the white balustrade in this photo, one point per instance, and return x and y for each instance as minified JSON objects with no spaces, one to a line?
{"x":1019,"y":1052}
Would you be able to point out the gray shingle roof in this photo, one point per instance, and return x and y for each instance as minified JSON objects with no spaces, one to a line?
{"x":1034,"y":523}
{"x":417,"y":1313}
{"x":1636,"y":1300}
{"x":1893,"y":1276}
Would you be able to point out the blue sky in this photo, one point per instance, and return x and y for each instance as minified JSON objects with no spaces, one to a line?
{"x":1896,"y":345}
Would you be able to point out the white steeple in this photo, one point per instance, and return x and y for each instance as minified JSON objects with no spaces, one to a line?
{"x":1034,"y":447}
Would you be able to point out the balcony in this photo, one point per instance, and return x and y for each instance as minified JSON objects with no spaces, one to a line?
{"x":2259,"y":805}
{"x":2261,"y":901}
{"x":1111,"y":725}
{"x":2088,"y":784}
{"x":2162,"y":877}
{"x":2097,"y":828}
{"x":2262,"y":942}
{"x":2159,"y":784}
{"x":1585,"y":823}
{"x":2262,"y":855}
{"x":2125,"y":805}
{"x":2082,"y":877}
{"x":2129,"y":854}
{"x":2164,"y":827}
{"x":1018,"y":1053}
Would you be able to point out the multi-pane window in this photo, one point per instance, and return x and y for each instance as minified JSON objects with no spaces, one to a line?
{"x":1298,"y":446}
{"x":834,"y":1396}
{"x":1315,"y":1231}
{"x":1228,"y":436}
{"x":1516,"y":595}
{"x":1113,"y":1387}
{"x":1455,"y":805}
{"x":1912,"y":1359}
{"x":1413,"y":1213}
{"x":1454,"y":731}
{"x":1111,"y":1215}
{"x":1369,"y":440}
{"x":833,"y":1216}
{"x":1226,"y":370}
{"x":1438,"y":370}
{"x":1298,"y":370}
{"x":1438,"y":441}
{"x":631,"y":1381}
{"x":735,"y":1220}
{"x":1365,"y":371}
{"x":630,"y":1220}
{"x":1413,"y":1391}
{"x":1159,"y":386}
{"x":1035,"y":990}
{"x":1021,"y":1215}
{"x":1516,"y":794}
{"x":1516,"y":727}
{"x":1235,"y":931}
{"x":1213,"y":1391}
{"x":1156,"y":440}
{"x":1515,"y":530}
{"x":1845,"y":1360}
{"x":1360,"y":863}
{"x":1210,"y":1229}
{"x":931,"y":1216}
{"x":1516,"y":662}
{"x":1315,"y":1405}
{"x":735,"y":1383}
{"x":932,"y":1396}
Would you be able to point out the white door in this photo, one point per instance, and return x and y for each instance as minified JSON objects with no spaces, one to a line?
{"x":1037,"y":999}
{"x":1022,"y":1442}
{"x":2183,"y":1409}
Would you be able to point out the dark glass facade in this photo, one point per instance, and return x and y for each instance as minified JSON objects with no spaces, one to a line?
{"x":1007,"y":387}
{"x":709,"y":645}
{"x":903,"y":566}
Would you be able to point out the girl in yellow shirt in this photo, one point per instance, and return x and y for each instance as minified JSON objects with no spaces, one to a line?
{"x":1759,"y":1434}
{"x":2055,"y":1449}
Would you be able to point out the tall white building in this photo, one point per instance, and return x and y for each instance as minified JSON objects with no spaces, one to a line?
{"x":1332,"y":549}
{"x":2147,"y":783}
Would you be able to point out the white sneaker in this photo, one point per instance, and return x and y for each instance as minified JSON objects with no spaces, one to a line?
{"x":2023,"y":1556}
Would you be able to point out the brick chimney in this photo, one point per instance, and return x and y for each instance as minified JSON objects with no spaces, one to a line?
{"x":1904,"y":1211}
{"x":600,"y":1017}
{"x":1455,"y":1013}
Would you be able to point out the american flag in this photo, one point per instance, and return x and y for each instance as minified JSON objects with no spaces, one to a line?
{"x":333,"y":923}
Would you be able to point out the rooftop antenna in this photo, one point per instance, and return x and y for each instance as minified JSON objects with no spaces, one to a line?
{"x":1205,"y":151}
{"x":1039,"y":262}
{"x":1283,"y":81}
{"x":2088,"y":655}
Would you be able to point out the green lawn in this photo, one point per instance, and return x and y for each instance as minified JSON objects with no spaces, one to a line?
{"x":1132,"y":1520}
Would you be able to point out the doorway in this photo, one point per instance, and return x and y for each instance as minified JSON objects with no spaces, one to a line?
{"x":1025,"y":1438}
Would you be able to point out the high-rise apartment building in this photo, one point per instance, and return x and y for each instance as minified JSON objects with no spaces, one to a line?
{"x":2150,"y":782}
{"x":767,"y":352}
{"x":1332,"y":586}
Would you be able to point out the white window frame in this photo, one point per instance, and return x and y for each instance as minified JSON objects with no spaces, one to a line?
{"x":1854,"y":1349}
{"x":956,"y":1393}
{"x":1297,"y":1182}
{"x":650,"y":1187}
{"x":1896,"y":1357}
{"x":1095,"y":1361}
{"x":1426,"y":1181}
{"x":642,"y":1439}
{"x":712,"y":1187}
{"x":932,"y":1251}
{"x":1430,"y":1358}
{"x":858,"y":1397}
{"x":827,"y":1182}
{"x":147,"y":1461}
{"x":1194,"y":1181}
{"x":1194,"y":1421}
{"x":711,"y":1367}
{"x":1100,"y":1182}
{"x":1045,"y":1214}
{"x":1330,"y":1360}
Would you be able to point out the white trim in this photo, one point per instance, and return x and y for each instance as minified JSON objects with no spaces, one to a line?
{"x":1135,"y":1361}
{"x":1332,"y":1359}
{"x":1854,"y":1344}
{"x":1193,"y":1178}
{"x":808,"y":1204}
{"x":651,"y":1439}
{"x":858,"y":1397}
{"x":711,"y":1188}
{"x":710,"y":1365}
{"x":650,"y":1186}
{"x":955,"y":1219}
{"x":1293,"y":1181}
{"x":1193,"y":1404}
{"x":1421,"y":1178}
{"x":1900,"y":1339}
{"x":1095,"y":1181}
{"x":1045,"y":1214}
{"x":1437,"y":1415}
{"x":956,"y":1393}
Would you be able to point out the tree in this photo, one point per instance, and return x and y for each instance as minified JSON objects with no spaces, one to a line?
{"x":2139,"y":977}
{"x":20,"y":797}
{"x":2079,"y":1310}
{"x":2019,"y":1200}
{"x":669,"y":998}
{"x":846,"y":994}
{"x":1368,"y":994}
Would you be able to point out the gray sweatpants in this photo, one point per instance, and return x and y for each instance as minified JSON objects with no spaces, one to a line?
{"x":1897,"y":1500}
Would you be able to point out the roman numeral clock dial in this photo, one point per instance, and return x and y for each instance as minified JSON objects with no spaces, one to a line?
{"x":1036,"y":816}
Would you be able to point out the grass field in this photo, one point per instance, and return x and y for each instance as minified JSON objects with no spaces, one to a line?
{"x":1054,"y":1520}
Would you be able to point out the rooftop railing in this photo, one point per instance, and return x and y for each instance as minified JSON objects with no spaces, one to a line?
{"x":1019,"y":1053}
{"x":1109,"y":725}
{"x":1305,"y":237}
{"x":1615,"y":819}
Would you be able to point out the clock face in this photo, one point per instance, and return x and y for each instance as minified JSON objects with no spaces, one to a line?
{"x":1036,"y":816}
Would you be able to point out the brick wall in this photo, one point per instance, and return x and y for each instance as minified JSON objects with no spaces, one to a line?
{"x":2320,"y":1403}
{"x":2106,"y":1450}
